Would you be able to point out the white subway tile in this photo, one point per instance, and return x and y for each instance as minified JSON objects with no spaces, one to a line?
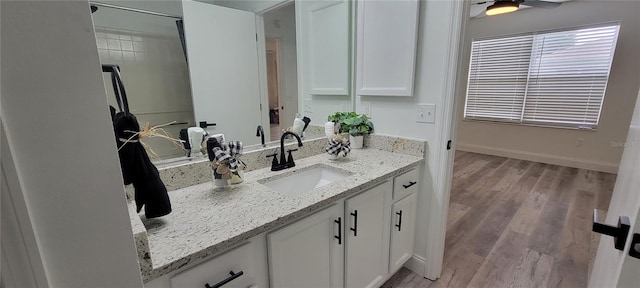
{"x":139,"y":46}
{"x":126,"y":45}
{"x":128,"y":56}
{"x":115,"y":55}
{"x":113,"y":44}
{"x":102,"y":43}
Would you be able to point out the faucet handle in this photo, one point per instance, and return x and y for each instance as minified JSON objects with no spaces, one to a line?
{"x":274,"y":163}
{"x":290,"y":162}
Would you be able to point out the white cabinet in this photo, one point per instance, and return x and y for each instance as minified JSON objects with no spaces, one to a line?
{"x":367,"y":240}
{"x":310,"y":252}
{"x":402,"y":231}
{"x":322,"y":34}
{"x":244,"y":266}
{"x":358,"y":242}
{"x":386,"y":47}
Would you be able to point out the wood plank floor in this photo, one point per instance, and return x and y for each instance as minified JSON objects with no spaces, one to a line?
{"x":516,"y":223}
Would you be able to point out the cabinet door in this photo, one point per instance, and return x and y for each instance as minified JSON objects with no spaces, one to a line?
{"x":367,"y":238}
{"x":386,"y":47}
{"x":308,"y":253}
{"x":402,"y":231}
{"x":234,"y":266}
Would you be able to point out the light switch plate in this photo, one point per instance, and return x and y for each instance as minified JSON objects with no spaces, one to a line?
{"x":426,"y":113}
{"x":366,"y":108}
{"x":307,"y":107}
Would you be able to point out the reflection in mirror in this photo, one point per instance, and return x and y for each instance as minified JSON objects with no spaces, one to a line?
{"x":282,"y":78}
{"x":232,"y":77}
{"x":154,"y":70}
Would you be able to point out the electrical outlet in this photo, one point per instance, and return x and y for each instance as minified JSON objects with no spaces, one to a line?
{"x":366,"y":109}
{"x":579,"y":142}
{"x":426,"y":113}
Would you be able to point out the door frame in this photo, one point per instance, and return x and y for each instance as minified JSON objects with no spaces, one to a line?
{"x":438,"y":210}
{"x":274,"y":48}
{"x":262,"y":65}
{"x":28,"y":249}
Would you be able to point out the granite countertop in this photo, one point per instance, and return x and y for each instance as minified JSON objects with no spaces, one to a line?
{"x":207,"y":220}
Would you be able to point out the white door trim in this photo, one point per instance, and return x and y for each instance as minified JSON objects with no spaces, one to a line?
{"x":30,"y":248}
{"x":438,"y":209}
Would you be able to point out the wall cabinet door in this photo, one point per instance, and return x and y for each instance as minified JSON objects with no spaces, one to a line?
{"x":367,"y":239}
{"x":386,"y":47}
{"x":322,"y":34}
{"x":402,"y":231}
{"x":310,"y":252}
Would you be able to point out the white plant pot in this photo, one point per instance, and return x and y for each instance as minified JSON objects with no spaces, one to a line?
{"x":356,"y":142}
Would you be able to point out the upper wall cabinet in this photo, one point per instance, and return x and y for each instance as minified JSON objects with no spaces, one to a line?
{"x":323,"y":47}
{"x":386,"y":47}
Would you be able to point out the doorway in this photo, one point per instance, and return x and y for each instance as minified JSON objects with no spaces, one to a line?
{"x":282,"y":67}
{"x":273,"y":85}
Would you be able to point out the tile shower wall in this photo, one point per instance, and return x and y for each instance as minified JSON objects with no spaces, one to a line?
{"x":156,"y":78}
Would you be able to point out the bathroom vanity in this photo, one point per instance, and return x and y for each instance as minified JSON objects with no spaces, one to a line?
{"x":355,"y":231}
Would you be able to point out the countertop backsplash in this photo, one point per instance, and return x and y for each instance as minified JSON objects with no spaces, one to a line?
{"x":198,"y":171}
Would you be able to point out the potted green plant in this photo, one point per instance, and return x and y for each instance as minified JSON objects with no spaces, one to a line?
{"x":354,"y":124}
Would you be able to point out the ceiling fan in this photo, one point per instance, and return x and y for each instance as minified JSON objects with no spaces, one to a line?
{"x":481,"y":8}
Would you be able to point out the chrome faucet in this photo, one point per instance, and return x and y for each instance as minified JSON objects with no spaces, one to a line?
{"x":285,"y":162}
{"x":260,"y":133}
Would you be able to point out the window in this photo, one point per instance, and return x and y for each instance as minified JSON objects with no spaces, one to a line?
{"x":551,"y":78}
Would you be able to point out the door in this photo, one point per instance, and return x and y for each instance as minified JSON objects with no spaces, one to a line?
{"x":612,"y":267}
{"x":367,"y":247}
{"x":223,"y":65}
{"x":273,"y":84}
{"x":403,"y":215}
{"x":309,"y":253}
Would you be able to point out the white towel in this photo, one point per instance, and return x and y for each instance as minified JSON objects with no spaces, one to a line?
{"x":195,"y":140}
{"x":298,"y":126}
{"x":329,"y":128}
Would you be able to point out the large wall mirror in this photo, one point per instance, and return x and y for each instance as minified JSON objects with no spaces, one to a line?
{"x":235,"y":64}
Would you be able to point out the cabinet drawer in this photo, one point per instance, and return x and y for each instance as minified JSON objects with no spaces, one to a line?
{"x":405,"y":184}
{"x":218,"y":270}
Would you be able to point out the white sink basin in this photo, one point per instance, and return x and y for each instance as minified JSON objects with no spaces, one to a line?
{"x":304,"y":180}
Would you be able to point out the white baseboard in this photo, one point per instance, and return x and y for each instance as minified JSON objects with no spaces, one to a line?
{"x":543,"y":158}
{"x":416,"y":264}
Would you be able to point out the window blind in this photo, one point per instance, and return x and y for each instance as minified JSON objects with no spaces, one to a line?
{"x":554,"y":78}
{"x":498,"y":78}
{"x":568,"y":76}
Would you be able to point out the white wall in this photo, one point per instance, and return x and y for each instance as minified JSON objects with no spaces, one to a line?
{"x":286,"y":19}
{"x":58,"y":127}
{"x":439,"y":23}
{"x":583,"y":149}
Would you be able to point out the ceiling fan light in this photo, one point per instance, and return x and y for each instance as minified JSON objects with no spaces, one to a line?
{"x":501,"y":7}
